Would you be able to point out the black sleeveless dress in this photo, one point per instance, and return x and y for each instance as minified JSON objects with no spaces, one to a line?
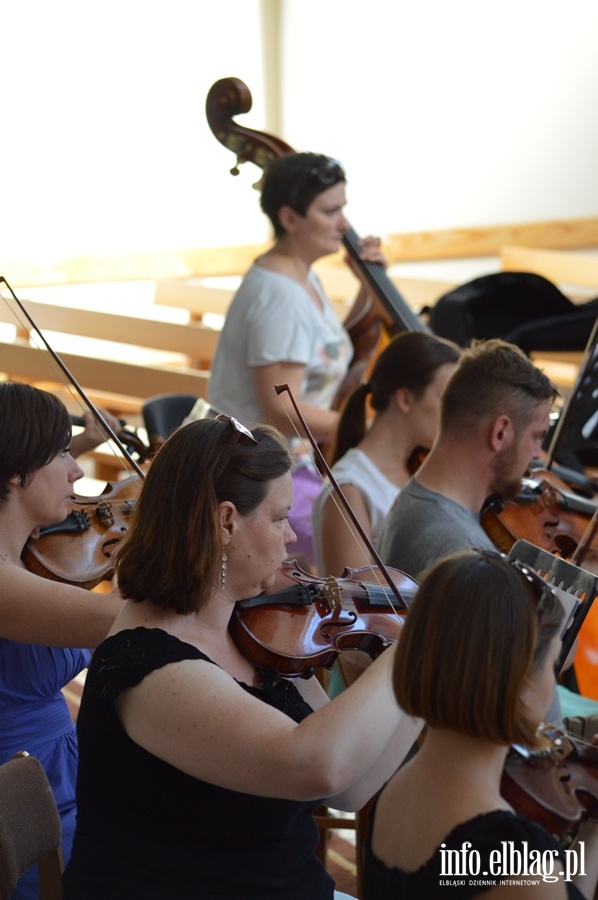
{"x":147,"y":831}
{"x":491,"y":833}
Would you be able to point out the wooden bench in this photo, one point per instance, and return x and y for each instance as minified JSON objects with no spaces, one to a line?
{"x":184,"y":273}
{"x":194,"y":342}
{"x":201,"y":297}
{"x":127,"y":366}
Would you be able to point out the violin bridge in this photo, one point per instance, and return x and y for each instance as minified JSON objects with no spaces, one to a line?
{"x":332,"y":593}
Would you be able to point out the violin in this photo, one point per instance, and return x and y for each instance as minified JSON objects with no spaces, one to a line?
{"x":81,"y":549}
{"x":555,"y":513}
{"x":545,"y":512}
{"x":556,"y":786}
{"x":303,"y":622}
{"x":229,"y":97}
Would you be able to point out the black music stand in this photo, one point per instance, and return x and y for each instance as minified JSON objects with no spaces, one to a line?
{"x":575,"y":439}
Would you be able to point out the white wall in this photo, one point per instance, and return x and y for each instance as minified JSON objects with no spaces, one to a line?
{"x":449,"y":113}
{"x":443,"y":113}
{"x":105,"y":144}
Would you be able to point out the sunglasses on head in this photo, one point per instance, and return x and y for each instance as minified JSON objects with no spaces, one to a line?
{"x":237,"y":426}
{"x":329,"y":173}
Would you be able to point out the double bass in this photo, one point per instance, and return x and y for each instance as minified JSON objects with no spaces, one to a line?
{"x":230,"y":97}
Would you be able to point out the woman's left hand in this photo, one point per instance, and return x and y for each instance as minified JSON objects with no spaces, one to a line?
{"x":371,"y":251}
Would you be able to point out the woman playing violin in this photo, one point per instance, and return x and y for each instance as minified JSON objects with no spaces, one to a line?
{"x":478,"y":696}
{"x":280,"y":327}
{"x":43,"y":623}
{"x":372,"y":464}
{"x":199,"y":769}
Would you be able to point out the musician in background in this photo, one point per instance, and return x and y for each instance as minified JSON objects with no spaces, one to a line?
{"x":280,"y":327}
{"x":371,"y":461}
{"x":43,"y":623}
{"x":199,"y":768}
{"x":494,"y":414}
{"x":479,"y":696}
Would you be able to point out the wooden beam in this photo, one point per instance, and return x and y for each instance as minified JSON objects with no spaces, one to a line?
{"x":204,"y":262}
{"x":559,"y":266}
{"x":195,"y":341}
{"x":22,"y":361}
{"x":487,"y":240}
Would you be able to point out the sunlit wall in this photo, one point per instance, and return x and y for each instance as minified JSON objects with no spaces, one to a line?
{"x":443,"y":114}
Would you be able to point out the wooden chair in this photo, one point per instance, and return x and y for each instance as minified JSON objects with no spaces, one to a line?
{"x":350,"y":665}
{"x":30,"y":830}
{"x":359,"y":822}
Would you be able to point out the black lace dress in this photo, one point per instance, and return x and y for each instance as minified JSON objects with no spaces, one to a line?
{"x":491,"y":833}
{"x":147,"y":831}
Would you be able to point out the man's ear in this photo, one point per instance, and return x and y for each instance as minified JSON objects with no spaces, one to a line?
{"x":289,"y":219}
{"x":501,"y":432}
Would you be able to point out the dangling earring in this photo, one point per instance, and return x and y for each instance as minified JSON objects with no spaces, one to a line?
{"x":223,"y":570}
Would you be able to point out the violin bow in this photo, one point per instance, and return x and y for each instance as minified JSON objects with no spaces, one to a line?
{"x":71,"y":378}
{"x":284,"y":388}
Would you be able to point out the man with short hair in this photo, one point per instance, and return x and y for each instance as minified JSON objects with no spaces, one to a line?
{"x":494,"y":414}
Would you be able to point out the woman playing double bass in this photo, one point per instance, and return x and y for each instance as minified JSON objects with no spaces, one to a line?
{"x":280,"y":327}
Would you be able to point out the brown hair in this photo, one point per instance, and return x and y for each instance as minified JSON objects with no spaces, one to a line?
{"x":410,"y":360}
{"x":172,"y":553}
{"x":295,"y":180}
{"x":493,"y":377}
{"x":35,"y":426}
{"x":471,"y":639}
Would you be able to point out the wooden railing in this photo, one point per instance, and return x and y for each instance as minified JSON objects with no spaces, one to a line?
{"x":180,"y":275}
{"x":205,"y":262}
{"x":112,"y":373}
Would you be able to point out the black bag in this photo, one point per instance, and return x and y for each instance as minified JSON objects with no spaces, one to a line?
{"x":521,"y":307}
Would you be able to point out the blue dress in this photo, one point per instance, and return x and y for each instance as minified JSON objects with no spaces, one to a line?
{"x":34,"y":716}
